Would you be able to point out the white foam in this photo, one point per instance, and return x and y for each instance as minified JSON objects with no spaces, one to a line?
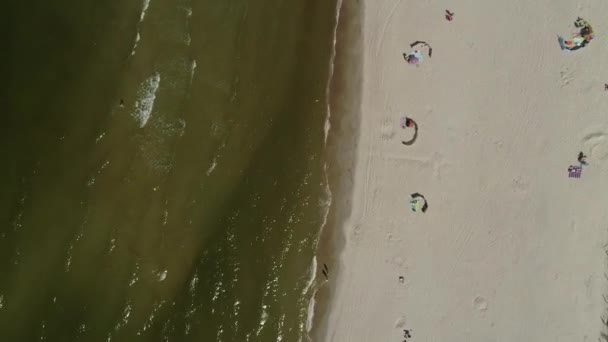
{"x":212,"y":167}
{"x":192,"y":70}
{"x":148,"y":323}
{"x":281,"y":324}
{"x":144,"y":10}
{"x":91,"y":181}
{"x":165,"y":217}
{"x":328,"y":194}
{"x":219,"y":289}
{"x":103,"y":134}
{"x":42,"y":331}
{"x":142,"y":16}
{"x":188,"y":11}
{"x":263,"y":319}
{"x":193,"y":283}
{"x":330,"y":75}
{"x":137,"y":37}
{"x":125,"y":317}
{"x":236,"y":307}
{"x":134,"y":277}
{"x":311,"y":315}
{"x":146,"y":96}
{"x":68,"y":262}
{"x":313,"y":273}
{"x":182,"y":127}
{"x":326,"y":205}
{"x":74,"y":241}
{"x":311,"y":303}
{"x":112,"y":245}
{"x":162,"y":275}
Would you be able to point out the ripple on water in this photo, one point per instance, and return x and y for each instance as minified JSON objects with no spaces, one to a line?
{"x":126,"y":313}
{"x":150,"y":321}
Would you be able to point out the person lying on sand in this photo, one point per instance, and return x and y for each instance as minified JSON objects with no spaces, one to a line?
{"x":409,"y":122}
{"x":414,"y":57}
{"x":405,"y":123}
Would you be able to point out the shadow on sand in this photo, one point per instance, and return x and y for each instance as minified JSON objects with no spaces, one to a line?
{"x":411,"y":141}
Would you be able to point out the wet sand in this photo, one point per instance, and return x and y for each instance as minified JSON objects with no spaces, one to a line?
{"x":345,"y":94}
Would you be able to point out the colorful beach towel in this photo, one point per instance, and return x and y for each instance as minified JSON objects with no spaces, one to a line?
{"x":575,"y":171}
{"x":572,"y":44}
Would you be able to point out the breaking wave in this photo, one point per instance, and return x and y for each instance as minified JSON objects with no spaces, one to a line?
{"x":142,"y":15}
{"x":146,"y":96}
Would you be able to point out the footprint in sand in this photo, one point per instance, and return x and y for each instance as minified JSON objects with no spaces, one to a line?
{"x":356,"y":232}
{"x":566,"y":77}
{"x":480,"y":303}
{"x":400,"y":322}
{"x":387,"y":130}
{"x":520,"y":185}
{"x":398,"y":261}
{"x":391,"y":238}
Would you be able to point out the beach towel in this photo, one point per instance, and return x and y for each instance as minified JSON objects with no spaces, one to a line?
{"x":575,"y":171}
{"x":572,"y":44}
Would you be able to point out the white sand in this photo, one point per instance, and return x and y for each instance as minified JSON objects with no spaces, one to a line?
{"x":511,"y":249}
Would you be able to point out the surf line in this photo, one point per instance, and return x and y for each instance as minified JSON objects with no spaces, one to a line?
{"x":330,"y":75}
{"x":328,"y":194}
{"x":142,"y":15}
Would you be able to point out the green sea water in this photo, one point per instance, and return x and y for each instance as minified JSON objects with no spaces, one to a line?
{"x":162,"y":168}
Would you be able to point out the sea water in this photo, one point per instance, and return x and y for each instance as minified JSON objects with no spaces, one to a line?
{"x":163,"y":174}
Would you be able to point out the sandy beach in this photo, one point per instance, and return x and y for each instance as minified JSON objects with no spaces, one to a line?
{"x":510,"y":248}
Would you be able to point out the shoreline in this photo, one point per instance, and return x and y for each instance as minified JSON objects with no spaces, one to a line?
{"x":340,"y":153}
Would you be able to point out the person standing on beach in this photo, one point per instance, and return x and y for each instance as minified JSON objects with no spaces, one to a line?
{"x":581,"y":158}
{"x":449,"y":16}
{"x":407,"y":334}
